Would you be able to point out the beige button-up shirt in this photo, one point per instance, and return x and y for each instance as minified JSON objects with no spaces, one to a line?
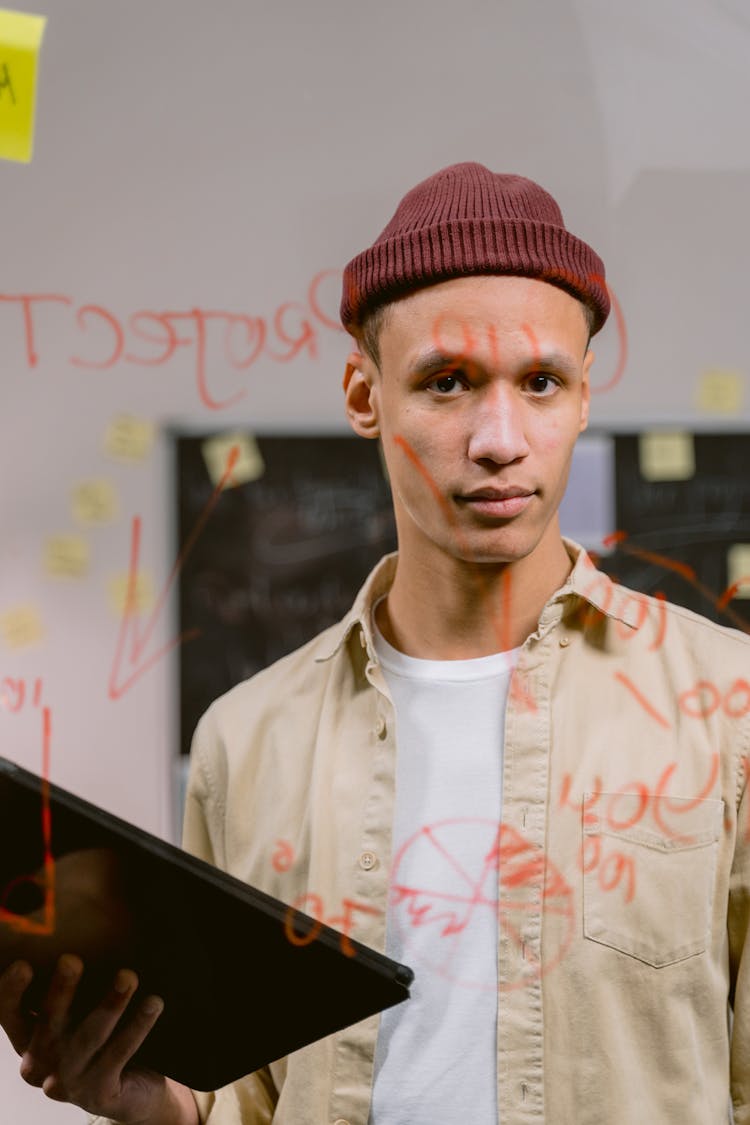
{"x":623,"y":856}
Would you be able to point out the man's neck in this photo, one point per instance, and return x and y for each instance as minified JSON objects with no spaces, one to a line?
{"x":457,"y":611}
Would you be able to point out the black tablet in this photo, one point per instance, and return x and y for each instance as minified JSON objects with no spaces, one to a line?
{"x":245,"y":981}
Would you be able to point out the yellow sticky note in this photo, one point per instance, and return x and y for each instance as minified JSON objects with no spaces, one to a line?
{"x":243,"y":448}
{"x":20,"y":40}
{"x":66,"y":556}
{"x":94,"y":502}
{"x":738,"y":569}
{"x":21,"y":626}
{"x":128,"y":438}
{"x":141,"y":599}
{"x":720,"y":392}
{"x":666,"y":455}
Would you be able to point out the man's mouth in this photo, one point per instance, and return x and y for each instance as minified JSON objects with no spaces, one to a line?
{"x":498,"y":502}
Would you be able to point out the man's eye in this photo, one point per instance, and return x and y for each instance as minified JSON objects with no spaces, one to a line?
{"x":446,"y":383}
{"x":543,"y":385}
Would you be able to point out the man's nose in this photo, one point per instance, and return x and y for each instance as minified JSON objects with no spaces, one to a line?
{"x":498,"y":431}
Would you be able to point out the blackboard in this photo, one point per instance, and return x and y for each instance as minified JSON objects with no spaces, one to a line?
{"x":280,"y":559}
{"x":676,"y":534}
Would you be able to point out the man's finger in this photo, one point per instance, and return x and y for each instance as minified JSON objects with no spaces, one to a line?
{"x":42,"y":1051}
{"x":13,"y":984}
{"x":96,"y":1028}
{"x":127,"y":1039}
{"x":56,"y":1006}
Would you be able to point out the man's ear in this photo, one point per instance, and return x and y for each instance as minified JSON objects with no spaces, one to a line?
{"x":588,"y":359}
{"x":361,"y":387}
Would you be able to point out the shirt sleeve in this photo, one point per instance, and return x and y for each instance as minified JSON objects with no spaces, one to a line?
{"x":739,"y":960}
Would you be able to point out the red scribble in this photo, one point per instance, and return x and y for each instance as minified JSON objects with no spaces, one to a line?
{"x":129,"y":623}
{"x":630,"y":821}
{"x":700,"y":701}
{"x":527,"y":880}
{"x":703,"y":708}
{"x":626,"y":631}
{"x":210,"y":331}
{"x":614,"y":537}
{"x":622,"y":337}
{"x":518,"y":691}
{"x":119,"y":338}
{"x":169,"y":342}
{"x":623,"y":866}
{"x":652,"y":711}
{"x":661,"y":797}
{"x":720,"y":601}
{"x":738,"y":685}
{"x":731,"y":591}
{"x":314,"y":302}
{"x":296,"y":344}
{"x":345,"y":921}
{"x":27,"y":300}
{"x":19,"y":922}
{"x":658,"y":641}
{"x":283,"y":857}
{"x":658,"y":799}
{"x":296,"y":907}
{"x":18,"y":687}
{"x":255,"y":331}
{"x":584,"y":806}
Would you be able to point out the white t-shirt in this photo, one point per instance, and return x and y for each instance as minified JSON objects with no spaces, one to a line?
{"x":436,"y":1055}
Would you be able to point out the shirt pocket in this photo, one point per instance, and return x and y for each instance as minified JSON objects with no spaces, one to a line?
{"x":663,"y":914}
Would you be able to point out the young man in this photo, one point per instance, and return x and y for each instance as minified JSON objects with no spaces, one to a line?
{"x":499,"y":768}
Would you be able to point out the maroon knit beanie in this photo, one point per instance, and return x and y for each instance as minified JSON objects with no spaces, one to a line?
{"x":468,"y":220}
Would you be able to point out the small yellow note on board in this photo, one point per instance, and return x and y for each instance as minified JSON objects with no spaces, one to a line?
{"x":738,"y":569}
{"x":66,"y":556}
{"x":239,"y":450}
{"x":120,"y":597}
{"x":666,"y":455}
{"x":20,"y":40}
{"x":128,"y":438}
{"x":720,"y":392}
{"x":94,"y":502}
{"x":21,"y":627}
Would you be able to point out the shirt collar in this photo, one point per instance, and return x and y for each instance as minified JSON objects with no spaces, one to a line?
{"x":585,"y":582}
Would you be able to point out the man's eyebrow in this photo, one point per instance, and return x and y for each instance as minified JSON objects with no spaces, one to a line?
{"x":556,"y":361}
{"x":435,"y":360}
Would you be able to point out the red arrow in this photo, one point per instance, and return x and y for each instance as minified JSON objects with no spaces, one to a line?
{"x":125,"y":671}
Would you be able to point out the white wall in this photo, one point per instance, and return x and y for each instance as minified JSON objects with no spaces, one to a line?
{"x":220,"y":157}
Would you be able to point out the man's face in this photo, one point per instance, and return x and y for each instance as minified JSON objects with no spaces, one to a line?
{"x":481,"y":394}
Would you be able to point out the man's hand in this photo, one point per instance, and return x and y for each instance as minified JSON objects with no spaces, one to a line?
{"x":86,"y":1063}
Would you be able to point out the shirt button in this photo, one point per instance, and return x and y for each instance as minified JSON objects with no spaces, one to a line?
{"x":564,"y":642}
{"x":368,"y":860}
{"x":340,"y":1121}
{"x":380,"y":727}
